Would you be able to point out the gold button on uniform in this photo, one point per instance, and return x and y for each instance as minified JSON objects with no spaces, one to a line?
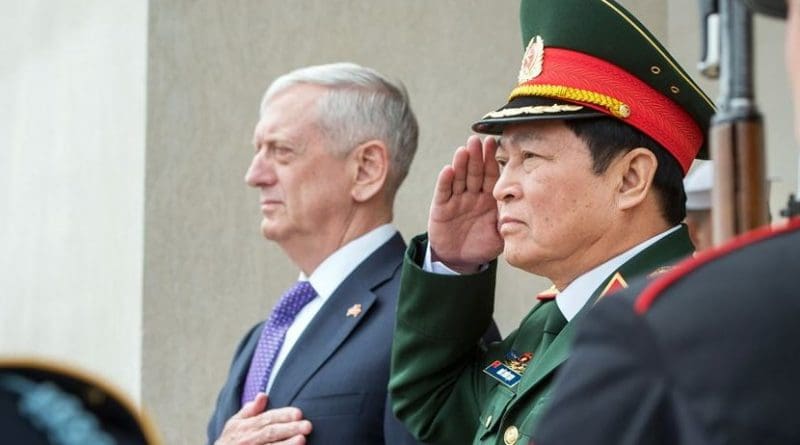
{"x":511,"y":435}
{"x":488,"y":421}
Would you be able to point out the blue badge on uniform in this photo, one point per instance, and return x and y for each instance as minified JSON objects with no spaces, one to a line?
{"x":503,"y":373}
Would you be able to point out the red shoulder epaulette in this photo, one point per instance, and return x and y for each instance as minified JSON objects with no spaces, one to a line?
{"x":657,"y":287}
{"x":548,"y":294}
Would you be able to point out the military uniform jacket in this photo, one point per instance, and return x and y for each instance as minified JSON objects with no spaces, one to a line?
{"x":439,"y":382}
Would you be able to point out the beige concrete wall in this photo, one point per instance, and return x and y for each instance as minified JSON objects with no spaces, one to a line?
{"x":150,"y":272}
{"x":72,"y":83}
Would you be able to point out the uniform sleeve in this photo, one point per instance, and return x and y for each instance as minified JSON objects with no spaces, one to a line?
{"x":613,"y":389}
{"x":394,"y":432}
{"x":436,"y":383}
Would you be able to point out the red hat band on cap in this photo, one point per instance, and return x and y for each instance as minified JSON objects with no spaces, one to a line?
{"x":582,"y":79}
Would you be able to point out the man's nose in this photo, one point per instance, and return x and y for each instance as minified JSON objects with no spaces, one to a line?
{"x":507,"y":187}
{"x":260,"y":172}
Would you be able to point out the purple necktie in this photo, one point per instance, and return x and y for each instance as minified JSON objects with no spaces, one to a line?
{"x":269,"y":344}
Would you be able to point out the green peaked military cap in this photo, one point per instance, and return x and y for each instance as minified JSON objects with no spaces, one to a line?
{"x":587,"y":58}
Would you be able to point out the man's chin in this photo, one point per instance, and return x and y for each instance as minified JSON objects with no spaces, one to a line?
{"x":512,"y":256}
{"x":519,"y":257}
{"x":514,"y":261}
{"x":271,"y":231}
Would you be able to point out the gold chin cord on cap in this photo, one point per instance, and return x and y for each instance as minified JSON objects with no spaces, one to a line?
{"x":616,"y":107}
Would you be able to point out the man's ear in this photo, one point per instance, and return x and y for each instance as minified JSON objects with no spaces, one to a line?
{"x":370,"y":162}
{"x":636,"y":170}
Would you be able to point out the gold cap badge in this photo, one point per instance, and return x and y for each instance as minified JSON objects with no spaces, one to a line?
{"x":532,"y":61}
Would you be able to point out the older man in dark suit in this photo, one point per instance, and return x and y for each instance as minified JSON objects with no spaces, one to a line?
{"x":332,"y":146}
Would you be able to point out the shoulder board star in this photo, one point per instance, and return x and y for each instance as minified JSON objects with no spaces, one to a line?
{"x":548,"y":294}
{"x":659,"y":271}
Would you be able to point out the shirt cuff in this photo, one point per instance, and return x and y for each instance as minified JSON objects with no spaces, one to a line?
{"x":439,"y":267}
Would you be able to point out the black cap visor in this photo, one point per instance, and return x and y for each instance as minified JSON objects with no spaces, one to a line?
{"x":531,"y":108}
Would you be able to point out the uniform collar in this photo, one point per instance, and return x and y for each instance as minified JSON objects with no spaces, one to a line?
{"x":572,"y":299}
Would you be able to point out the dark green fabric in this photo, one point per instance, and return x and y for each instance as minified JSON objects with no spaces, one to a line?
{"x":604,"y":29}
{"x":438,"y":386}
{"x":553,"y":325}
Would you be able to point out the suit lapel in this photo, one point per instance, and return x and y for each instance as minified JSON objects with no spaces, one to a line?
{"x":232,"y":398}
{"x":331,"y":326}
{"x":663,"y":252}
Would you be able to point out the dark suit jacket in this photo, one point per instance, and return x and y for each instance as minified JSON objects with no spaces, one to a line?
{"x":709,"y":353}
{"x":338,"y":370}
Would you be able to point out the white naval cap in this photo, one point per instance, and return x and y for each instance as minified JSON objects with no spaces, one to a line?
{"x":698,"y":186}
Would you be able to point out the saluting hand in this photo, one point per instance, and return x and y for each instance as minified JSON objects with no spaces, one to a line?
{"x":254,"y":426}
{"x":462,"y":227}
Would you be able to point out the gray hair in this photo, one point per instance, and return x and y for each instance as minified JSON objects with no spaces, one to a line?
{"x":360,"y":105}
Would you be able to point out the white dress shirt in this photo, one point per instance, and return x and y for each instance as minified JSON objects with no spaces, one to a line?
{"x":572,"y":299}
{"x":325,"y":279}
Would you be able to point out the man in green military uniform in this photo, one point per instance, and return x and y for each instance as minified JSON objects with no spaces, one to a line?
{"x":583,"y":187}
{"x":705,"y":354}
